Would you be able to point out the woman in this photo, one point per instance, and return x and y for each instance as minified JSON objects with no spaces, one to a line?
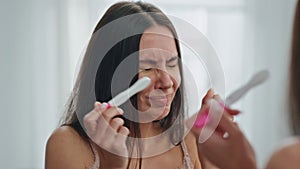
{"x":131,"y":41}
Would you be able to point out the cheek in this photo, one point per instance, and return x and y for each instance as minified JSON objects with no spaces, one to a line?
{"x":176,"y":77}
{"x":152,"y":75}
{"x":174,"y":74}
{"x":150,"y":87}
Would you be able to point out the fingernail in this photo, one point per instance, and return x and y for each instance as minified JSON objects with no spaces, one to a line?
{"x":120,"y":111}
{"x":103,"y":106}
{"x":200,"y":122}
{"x":226,"y":135}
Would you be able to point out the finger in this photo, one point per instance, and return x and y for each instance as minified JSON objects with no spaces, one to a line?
{"x":233,"y":112}
{"x":112,"y":112}
{"x":198,"y":119}
{"x":209,"y":95}
{"x":90,"y":120}
{"x":221,"y":103}
{"x":119,"y":144}
{"x":212,"y":121}
{"x":218,"y":98}
{"x":90,"y":124}
{"x":201,"y":119}
{"x":214,"y":139}
{"x":116,"y":123}
{"x":97,"y":111}
{"x":105,"y":118}
{"x":95,"y":123}
{"x":103,"y":121}
{"x":228,"y":110}
{"x":109,"y":125}
{"x":99,"y":108}
{"x":123,"y":134}
{"x":106,"y":132}
{"x":212,"y":132}
{"x":124,"y":131}
{"x":227,"y":125}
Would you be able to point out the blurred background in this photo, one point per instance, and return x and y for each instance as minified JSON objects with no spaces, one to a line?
{"x":41,"y":42}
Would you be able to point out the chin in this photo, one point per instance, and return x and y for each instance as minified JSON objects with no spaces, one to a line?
{"x":164,"y":114}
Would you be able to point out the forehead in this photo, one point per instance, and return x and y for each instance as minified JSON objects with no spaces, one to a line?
{"x":157,"y":40}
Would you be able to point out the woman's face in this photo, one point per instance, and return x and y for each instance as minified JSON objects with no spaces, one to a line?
{"x":158,"y":59}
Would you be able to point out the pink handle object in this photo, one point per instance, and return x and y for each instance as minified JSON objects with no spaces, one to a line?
{"x":224,"y":106}
{"x":200,"y":122}
{"x":108,"y":105}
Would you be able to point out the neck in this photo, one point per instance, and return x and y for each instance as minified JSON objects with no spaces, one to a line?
{"x":151,"y":134}
{"x":150,"y":129}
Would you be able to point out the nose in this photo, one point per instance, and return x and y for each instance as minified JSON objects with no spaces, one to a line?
{"x":164,"y":80}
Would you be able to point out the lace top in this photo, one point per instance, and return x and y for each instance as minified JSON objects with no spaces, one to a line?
{"x":187,"y":163}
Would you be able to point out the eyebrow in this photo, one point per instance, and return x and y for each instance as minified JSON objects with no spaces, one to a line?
{"x":153,"y":62}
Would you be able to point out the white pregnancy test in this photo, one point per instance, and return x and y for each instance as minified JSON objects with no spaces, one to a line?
{"x":122,"y":97}
{"x":256,"y":79}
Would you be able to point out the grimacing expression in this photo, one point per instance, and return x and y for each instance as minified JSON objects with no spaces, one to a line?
{"x":158,"y":60}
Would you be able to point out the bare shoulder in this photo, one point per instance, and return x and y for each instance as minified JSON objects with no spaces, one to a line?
{"x":67,"y":149}
{"x":199,"y":160}
{"x":288,"y":156}
{"x":191,"y":143}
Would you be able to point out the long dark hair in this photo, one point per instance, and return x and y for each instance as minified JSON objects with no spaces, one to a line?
{"x":98,"y":67}
{"x":294,"y":74}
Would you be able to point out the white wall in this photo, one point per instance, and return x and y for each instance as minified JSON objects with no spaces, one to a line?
{"x":32,"y":85}
{"x":41,"y":42}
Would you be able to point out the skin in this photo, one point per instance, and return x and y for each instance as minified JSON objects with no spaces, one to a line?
{"x":287,"y":157}
{"x":221,"y":152}
{"x":66,"y":149}
{"x":159,"y":61}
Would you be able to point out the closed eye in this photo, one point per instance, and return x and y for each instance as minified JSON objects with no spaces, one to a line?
{"x":173,"y":62}
{"x":148,"y":69}
{"x":173,"y":65}
{"x":145,"y":69}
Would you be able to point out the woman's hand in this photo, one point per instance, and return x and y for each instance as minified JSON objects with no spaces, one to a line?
{"x":190,"y":121}
{"x":220,"y":139}
{"x":108,"y":132}
{"x":204,"y":110}
{"x":230,"y":152}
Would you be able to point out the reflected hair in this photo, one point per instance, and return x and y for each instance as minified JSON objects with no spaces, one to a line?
{"x":294,"y":74}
